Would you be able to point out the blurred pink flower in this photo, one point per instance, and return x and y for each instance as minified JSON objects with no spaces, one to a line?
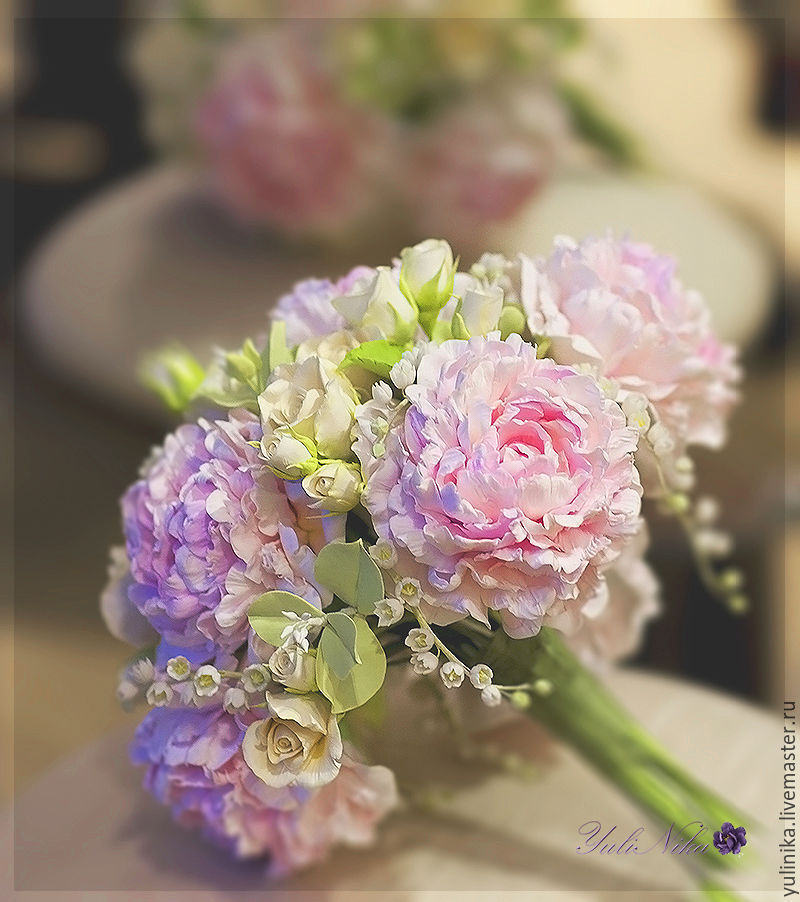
{"x":482,"y":161}
{"x":195,"y":765}
{"x":618,"y":305}
{"x":285,"y":149}
{"x":508,"y":486}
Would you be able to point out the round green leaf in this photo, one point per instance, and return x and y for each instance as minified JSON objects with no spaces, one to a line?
{"x":337,"y":644}
{"x":349,"y":572}
{"x":363,"y":680}
{"x":267,"y":618}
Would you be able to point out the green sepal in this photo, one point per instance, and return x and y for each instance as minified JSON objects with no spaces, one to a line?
{"x":350,"y":573}
{"x":378,"y":356}
{"x":266,"y":614}
{"x":362,"y":681}
{"x":279,"y":352}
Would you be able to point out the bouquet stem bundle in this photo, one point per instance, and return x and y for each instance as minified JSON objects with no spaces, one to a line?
{"x":584,"y":714}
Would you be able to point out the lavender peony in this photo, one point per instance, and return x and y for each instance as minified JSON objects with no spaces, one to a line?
{"x":618,"y":305}
{"x":509,"y":484}
{"x":195,"y":765}
{"x":209,"y":528}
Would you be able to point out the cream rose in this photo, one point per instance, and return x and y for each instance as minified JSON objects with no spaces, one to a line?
{"x":300,"y":744}
{"x":315,"y":401}
{"x":294,"y":668}
{"x":377,"y":304}
{"x":335,"y":487}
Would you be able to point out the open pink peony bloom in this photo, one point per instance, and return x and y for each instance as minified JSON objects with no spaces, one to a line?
{"x":195,"y":765}
{"x":617,"y":305}
{"x":209,"y":528}
{"x":285,"y":149}
{"x":508,"y":485}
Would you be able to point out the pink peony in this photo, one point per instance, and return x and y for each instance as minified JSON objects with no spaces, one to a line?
{"x":614,"y":630}
{"x":508,"y":486}
{"x":286,"y":150}
{"x":483,"y":161}
{"x":617,"y":305}
{"x":195,"y":765}
{"x":209,"y":528}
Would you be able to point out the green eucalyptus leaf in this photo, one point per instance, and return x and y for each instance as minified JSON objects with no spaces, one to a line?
{"x":349,"y":572}
{"x":267,"y":618}
{"x":377,"y":356}
{"x":338,"y":644}
{"x":363,"y":680}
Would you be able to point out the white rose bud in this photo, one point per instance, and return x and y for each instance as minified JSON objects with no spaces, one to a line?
{"x":300,"y":744}
{"x":427,"y":273}
{"x":316,"y":401}
{"x":378,"y":303}
{"x":481,"y":308}
{"x":336,"y":487}
{"x":293,"y":668}
{"x":287,"y":456}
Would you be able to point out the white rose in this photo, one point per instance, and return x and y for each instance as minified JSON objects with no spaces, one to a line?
{"x":481,"y":308}
{"x":300,"y":744}
{"x":286,"y":455}
{"x":336,"y":487}
{"x":294,"y":668}
{"x":315,"y":400}
{"x":377,"y":303}
{"x":427,"y":270}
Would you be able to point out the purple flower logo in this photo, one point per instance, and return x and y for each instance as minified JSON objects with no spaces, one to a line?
{"x":729,"y":839}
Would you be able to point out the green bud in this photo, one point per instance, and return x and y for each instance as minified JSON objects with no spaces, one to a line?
{"x":174,"y":375}
{"x":738,"y":604}
{"x":520,"y":700}
{"x":543,"y":687}
{"x":512,"y":320}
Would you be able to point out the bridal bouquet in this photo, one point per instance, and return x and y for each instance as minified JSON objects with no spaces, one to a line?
{"x":421,"y":466}
{"x":470,"y":114}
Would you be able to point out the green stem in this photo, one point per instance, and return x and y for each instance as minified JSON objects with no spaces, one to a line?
{"x":584,"y":714}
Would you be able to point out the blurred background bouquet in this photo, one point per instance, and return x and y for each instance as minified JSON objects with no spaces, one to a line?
{"x":315,"y":128}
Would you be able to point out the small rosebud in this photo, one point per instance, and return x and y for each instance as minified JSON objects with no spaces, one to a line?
{"x":427,"y":274}
{"x":287,"y":456}
{"x":376,"y":302}
{"x":335,"y":487}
